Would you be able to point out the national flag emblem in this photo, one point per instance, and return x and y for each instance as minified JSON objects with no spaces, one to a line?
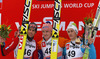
{"x":67,"y":46}
{"x":43,"y":44}
{"x":0,"y":4}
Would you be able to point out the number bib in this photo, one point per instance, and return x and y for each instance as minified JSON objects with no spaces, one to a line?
{"x":29,"y":49}
{"x":46,"y":49}
{"x":73,"y":51}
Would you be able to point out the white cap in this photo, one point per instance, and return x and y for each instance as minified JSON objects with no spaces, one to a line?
{"x":73,"y":26}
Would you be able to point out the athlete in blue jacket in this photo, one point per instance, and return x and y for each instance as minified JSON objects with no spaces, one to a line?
{"x":74,"y":49}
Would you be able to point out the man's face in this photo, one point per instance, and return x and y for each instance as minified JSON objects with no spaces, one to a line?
{"x":72,"y":34}
{"x":31,"y":32}
{"x":46,"y":34}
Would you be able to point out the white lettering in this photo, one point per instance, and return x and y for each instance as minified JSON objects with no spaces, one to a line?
{"x":80,"y":25}
{"x":20,"y":42}
{"x":20,"y":45}
{"x":73,"y":5}
{"x":88,"y":5}
{"x":0,"y":18}
{"x":62,"y":25}
{"x":35,"y":6}
{"x":38,"y":25}
{"x":69,"y":24}
{"x":47,"y":19}
{"x":17,"y":24}
{"x":47,"y":6}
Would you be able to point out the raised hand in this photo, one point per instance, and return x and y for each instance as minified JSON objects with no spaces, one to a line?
{"x":2,"y":39}
{"x":90,"y":40}
{"x":17,"y":33}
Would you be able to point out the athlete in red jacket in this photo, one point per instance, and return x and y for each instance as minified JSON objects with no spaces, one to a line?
{"x":30,"y":48}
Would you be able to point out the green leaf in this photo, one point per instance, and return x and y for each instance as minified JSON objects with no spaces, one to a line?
{"x":4,"y":31}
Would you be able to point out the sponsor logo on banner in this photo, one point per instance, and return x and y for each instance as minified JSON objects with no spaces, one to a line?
{"x":0,"y":4}
{"x":43,"y":44}
{"x":63,"y":24}
{"x":20,"y":42}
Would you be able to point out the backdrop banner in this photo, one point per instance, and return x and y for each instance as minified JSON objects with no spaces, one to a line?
{"x":11,"y":13}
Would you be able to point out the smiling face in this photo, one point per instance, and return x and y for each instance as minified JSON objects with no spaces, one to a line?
{"x":72,"y":34}
{"x":46,"y":34}
{"x":31,"y":32}
{"x":47,"y":31}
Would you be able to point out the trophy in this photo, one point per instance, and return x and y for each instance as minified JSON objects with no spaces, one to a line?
{"x":89,"y":30}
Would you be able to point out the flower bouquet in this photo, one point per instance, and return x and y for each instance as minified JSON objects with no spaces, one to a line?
{"x":4,"y":31}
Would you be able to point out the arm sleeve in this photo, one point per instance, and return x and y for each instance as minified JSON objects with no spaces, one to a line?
{"x":40,"y":54}
{"x":64,"y":53}
{"x":9,"y":48}
{"x":92,"y":51}
{"x":35,"y":53}
{"x":63,"y":41}
{"x":39,"y":45}
{"x":82,"y":49}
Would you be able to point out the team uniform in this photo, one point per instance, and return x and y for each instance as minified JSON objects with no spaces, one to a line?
{"x":30,"y":49}
{"x":45,"y":46}
{"x":75,"y":51}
